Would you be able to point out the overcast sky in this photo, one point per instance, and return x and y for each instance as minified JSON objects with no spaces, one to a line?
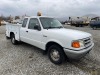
{"x":58,"y":8}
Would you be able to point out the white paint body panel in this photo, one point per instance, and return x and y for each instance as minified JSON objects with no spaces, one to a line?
{"x":15,"y":28}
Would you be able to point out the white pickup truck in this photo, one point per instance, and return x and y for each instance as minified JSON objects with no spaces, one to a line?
{"x":49,"y":35}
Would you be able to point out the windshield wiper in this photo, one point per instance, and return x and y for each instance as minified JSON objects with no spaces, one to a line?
{"x":49,"y":27}
{"x":59,"y":27}
{"x":53,"y":27}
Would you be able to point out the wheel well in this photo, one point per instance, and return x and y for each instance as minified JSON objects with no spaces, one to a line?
{"x":50,"y":44}
{"x":11,"y":33}
{"x":54,"y":43}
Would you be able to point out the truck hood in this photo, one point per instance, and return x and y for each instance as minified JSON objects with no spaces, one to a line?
{"x":74,"y":34}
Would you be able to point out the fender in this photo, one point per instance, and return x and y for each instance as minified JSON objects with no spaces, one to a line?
{"x":53,"y":40}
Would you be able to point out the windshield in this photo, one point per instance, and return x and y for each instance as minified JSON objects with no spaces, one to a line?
{"x":49,"y":23}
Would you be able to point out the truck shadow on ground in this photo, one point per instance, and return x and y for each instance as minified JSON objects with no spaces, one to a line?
{"x":33,"y":48}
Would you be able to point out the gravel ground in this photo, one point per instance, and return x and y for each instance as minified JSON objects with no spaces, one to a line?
{"x":25,"y":59}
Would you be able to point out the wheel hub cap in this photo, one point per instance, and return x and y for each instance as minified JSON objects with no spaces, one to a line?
{"x":55,"y":55}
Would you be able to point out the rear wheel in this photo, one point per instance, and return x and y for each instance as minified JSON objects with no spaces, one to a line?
{"x":7,"y":37}
{"x":14,"y":42}
{"x":56,"y":54}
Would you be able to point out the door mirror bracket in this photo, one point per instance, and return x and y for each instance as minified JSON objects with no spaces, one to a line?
{"x":37,"y":27}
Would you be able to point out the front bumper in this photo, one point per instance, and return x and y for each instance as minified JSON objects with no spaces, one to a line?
{"x":77,"y":54}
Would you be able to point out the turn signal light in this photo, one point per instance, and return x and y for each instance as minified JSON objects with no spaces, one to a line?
{"x":76,"y":44}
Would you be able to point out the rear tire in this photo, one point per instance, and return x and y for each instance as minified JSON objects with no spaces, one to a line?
{"x":56,"y":54}
{"x":13,"y":40}
{"x":7,"y":37}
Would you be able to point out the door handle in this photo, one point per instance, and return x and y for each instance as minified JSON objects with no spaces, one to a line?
{"x":27,"y":31}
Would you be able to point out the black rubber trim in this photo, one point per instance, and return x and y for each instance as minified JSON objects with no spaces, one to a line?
{"x":80,"y":49}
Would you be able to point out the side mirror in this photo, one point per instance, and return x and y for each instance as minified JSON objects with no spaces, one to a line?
{"x":37,"y":27}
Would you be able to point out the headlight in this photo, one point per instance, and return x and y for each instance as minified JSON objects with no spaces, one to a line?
{"x":78,"y":43}
{"x":81,"y":43}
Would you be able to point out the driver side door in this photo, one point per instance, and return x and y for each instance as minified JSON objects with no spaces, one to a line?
{"x":34,"y":36}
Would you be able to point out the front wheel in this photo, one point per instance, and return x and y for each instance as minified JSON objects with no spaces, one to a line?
{"x":56,"y":54}
{"x":14,"y":42}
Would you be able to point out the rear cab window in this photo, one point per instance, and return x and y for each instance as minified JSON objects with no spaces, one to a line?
{"x":24,"y":22}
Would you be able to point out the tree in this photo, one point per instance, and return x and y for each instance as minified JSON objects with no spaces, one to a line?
{"x":69,"y":18}
{"x":17,"y":17}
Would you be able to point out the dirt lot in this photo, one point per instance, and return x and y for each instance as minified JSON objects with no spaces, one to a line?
{"x":25,"y":59}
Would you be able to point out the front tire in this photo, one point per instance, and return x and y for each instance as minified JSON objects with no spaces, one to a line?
{"x":56,"y":54}
{"x":13,"y":41}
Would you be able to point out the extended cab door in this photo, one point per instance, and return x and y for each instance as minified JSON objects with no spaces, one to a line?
{"x":23,"y":30}
{"x":34,"y":36}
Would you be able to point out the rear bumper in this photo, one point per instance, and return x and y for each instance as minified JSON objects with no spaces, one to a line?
{"x":77,"y":54}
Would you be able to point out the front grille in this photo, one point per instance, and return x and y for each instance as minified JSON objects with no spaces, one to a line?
{"x":87,"y":42}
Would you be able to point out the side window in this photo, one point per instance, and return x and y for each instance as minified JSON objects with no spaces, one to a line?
{"x":32,"y":23}
{"x":25,"y":22}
